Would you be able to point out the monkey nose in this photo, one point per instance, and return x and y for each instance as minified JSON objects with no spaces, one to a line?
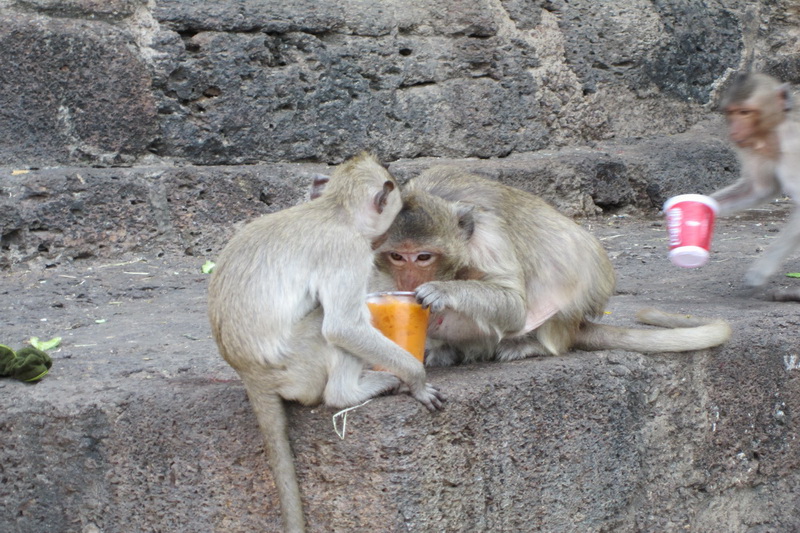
{"x":407,"y":282}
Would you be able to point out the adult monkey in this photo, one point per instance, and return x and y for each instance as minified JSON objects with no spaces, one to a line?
{"x":768,"y":144}
{"x":506,"y":276}
{"x":287,"y":305}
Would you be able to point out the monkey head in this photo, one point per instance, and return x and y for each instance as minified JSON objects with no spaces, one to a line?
{"x":365,"y":190}
{"x":427,"y":241}
{"x":754,"y":105}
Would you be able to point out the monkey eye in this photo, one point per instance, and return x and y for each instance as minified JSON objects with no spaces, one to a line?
{"x":396,"y":258}
{"x":742,"y":112}
{"x":425,"y":257}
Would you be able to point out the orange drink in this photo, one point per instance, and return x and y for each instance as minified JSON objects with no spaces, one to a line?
{"x":399,"y":317}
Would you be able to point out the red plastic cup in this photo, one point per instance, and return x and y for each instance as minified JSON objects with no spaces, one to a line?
{"x":690,"y":224}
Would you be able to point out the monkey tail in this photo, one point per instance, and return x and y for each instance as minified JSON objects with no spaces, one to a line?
{"x":271,"y":415}
{"x":685,"y":333}
{"x":786,"y":295}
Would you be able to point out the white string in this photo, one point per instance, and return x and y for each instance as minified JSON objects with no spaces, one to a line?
{"x":343,"y":414}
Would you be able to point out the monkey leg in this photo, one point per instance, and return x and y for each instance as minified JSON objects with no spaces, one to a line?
{"x":455,"y":338}
{"x":349,"y":385}
{"x":513,"y":348}
{"x":439,"y":353}
{"x":554,"y":337}
{"x":788,"y":241}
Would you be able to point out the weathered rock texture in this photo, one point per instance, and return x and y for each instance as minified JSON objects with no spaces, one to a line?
{"x":54,"y":215}
{"x":592,"y":106}
{"x":140,"y":425}
{"x":251,"y":81}
{"x":153,"y":127}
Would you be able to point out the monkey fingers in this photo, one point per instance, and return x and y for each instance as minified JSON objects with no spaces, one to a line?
{"x":433,"y":296}
{"x":430,"y":397}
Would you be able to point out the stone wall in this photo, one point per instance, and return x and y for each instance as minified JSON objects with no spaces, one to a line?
{"x":511,"y":88}
{"x":239,"y":82}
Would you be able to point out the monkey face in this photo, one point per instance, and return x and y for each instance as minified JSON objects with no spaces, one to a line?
{"x":754,"y":107}
{"x":743,"y":124}
{"x":427,"y":241}
{"x":411,"y":267}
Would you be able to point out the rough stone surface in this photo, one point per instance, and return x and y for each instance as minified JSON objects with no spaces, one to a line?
{"x":70,"y":213}
{"x":58,"y":214}
{"x":140,"y":425}
{"x":71,"y":90}
{"x":232,"y":82}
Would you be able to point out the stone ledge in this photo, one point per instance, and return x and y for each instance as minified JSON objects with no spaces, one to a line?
{"x":140,"y":426}
{"x":54,"y":215}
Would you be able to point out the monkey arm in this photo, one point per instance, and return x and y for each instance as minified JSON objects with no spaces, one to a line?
{"x":757,"y":184}
{"x":367,"y":343}
{"x":492,"y":292}
{"x":770,"y":261}
{"x":743,"y":195}
{"x":346,"y":324}
{"x":492,"y":303}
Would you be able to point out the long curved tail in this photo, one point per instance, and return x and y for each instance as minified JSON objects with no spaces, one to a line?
{"x":685,"y":333}
{"x":786,"y":295}
{"x":271,"y":415}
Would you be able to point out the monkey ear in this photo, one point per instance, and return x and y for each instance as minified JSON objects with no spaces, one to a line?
{"x":465,"y":213}
{"x":318,"y":185}
{"x":785,"y":94}
{"x":382,"y":198}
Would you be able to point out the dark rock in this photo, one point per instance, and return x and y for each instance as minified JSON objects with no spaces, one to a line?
{"x":72,"y":91}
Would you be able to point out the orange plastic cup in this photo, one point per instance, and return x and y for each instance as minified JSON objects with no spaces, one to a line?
{"x":399,"y":317}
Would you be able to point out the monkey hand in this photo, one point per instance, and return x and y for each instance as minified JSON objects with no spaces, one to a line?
{"x":429,"y":396}
{"x":434,"y":295}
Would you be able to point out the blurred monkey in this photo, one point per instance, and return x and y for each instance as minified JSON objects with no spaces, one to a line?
{"x":287,"y":305}
{"x":506,"y":276}
{"x":767,"y":141}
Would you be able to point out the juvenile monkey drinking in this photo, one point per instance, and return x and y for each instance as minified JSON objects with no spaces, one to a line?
{"x":506,"y":276}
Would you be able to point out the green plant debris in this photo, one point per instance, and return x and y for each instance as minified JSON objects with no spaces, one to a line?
{"x":45,"y":345}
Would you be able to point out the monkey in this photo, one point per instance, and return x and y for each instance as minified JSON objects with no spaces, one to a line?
{"x":506,"y":276}
{"x":287,"y":307}
{"x":767,"y":141}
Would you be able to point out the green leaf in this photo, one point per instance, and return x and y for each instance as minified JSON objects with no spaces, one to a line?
{"x":208,"y":267}
{"x":45,"y":345}
{"x":793,"y":275}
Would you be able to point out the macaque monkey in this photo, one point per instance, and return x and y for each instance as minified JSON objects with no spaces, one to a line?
{"x":768,"y":144}
{"x":506,"y":276}
{"x":288,"y":312}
